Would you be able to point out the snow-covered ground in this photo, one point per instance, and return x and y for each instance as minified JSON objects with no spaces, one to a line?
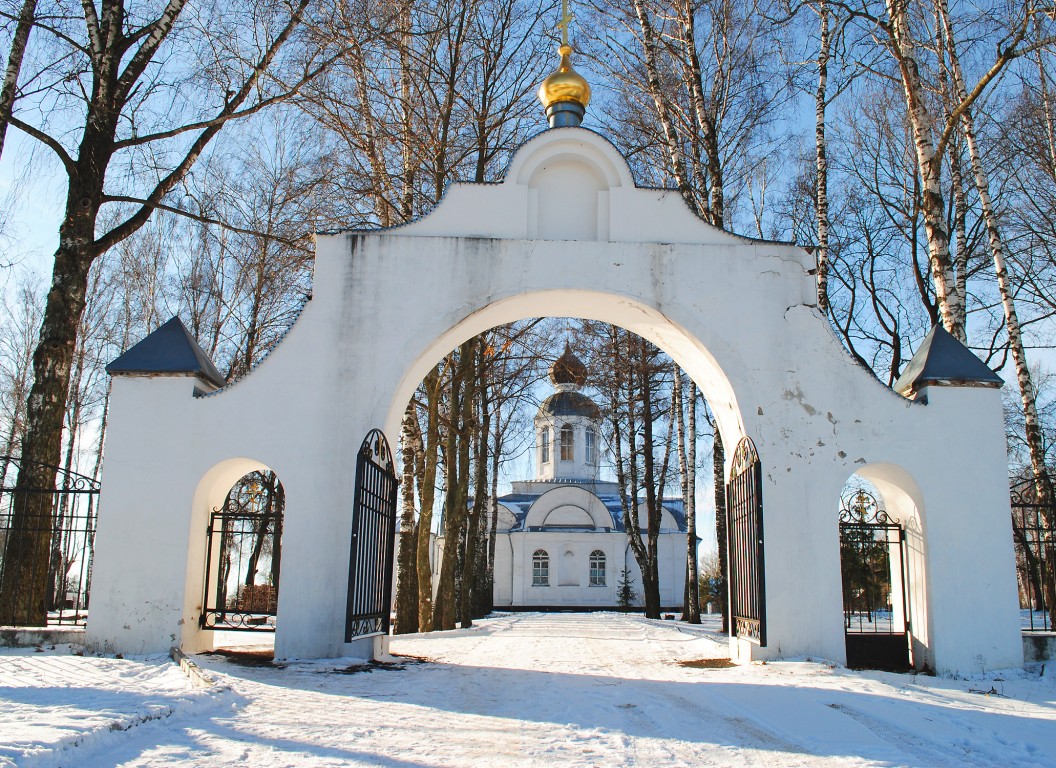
{"x":519,"y":690}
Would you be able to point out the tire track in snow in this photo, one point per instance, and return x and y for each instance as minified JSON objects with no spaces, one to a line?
{"x":917,"y":747}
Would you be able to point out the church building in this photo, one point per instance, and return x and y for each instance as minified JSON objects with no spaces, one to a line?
{"x":560,"y":538}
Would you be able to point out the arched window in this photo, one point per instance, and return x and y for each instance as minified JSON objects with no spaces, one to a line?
{"x":540,"y":568}
{"x":546,"y":445}
{"x":597,"y":568}
{"x":588,"y":444}
{"x":567,"y":441}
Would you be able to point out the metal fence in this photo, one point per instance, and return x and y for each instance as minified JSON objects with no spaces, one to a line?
{"x":47,"y":543}
{"x":1034,"y":534}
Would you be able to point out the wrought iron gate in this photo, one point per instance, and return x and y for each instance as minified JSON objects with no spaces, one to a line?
{"x":874,"y":574}
{"x":244,"y":548}
{"x":373,"y":540}
{"x":744,"y":533}
{"x":1034,"y":536}
{"x":47,"y":543}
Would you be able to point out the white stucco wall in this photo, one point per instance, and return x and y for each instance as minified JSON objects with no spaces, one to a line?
{"x":738,"y":315}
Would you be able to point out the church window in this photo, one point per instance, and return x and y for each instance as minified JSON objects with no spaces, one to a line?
{"x":540,"y":568}
{"x":597,"y":568}
{"x":546,"y":445}
{"x":567,"y":440}
{"x":588,"y":444}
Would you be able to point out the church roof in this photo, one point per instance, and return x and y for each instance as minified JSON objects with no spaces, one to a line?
{"x":944,"y":361}
{"x":520,"y":503}
{"x":570,"y":404}
{"x":169,"y":350}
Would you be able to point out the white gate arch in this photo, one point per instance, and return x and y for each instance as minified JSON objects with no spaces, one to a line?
{"x":567,"y":233}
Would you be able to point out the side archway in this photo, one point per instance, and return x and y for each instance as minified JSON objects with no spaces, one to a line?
{"x":234,"y":552}
{"x":883,"y":533}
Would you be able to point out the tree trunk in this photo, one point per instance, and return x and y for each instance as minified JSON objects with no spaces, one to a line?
{"x":23,"y":583}
{"x":691,"y":505}
{"x":650,"y":571}
{"x":677,"y":161}
{"x":929,"y":164}
{"x":821,"y":186}
{"x":1027,"y":391}
{"x":455,"y":505}
{"x":426,"y":490}
{"x":718,"y":468}
{"x":406,"y":569}
{"x":471,"y":576}
{"x":14,"y":66}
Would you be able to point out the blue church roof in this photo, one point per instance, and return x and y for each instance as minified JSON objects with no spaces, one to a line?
{"x":520,"y":503}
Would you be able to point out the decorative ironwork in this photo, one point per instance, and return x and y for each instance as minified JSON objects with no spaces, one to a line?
{"x":1034,"y":537}
{"x":373,"y":540}
{"x":243,"y":557}
{"x":744,"y":511}
{"x":864,"y":509}
{"x":875,"y":576}
{"x":47,"y":543}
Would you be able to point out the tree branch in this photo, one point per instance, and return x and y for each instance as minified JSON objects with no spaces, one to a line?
{"x":43,"y":138}
{"x":140,"y":217}
{"x":203,"y":219}
{"x":223,"y":117}
{"x":159,"y":30}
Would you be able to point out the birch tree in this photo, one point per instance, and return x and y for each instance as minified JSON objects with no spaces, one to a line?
{"x":127,"y":81}
{"x":1028,"y":395}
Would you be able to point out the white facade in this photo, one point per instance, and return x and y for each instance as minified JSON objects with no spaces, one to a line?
{"x":738,"y":315}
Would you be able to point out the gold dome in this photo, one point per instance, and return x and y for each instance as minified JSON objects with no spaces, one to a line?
{"x":565,"y":84}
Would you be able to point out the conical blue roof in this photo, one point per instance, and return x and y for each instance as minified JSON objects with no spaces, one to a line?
{"x":942,"y":360}
{"x":169,"y":350}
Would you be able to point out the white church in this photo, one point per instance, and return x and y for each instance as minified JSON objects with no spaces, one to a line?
{"x":560,"y":539}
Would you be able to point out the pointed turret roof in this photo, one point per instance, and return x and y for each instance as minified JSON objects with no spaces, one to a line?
{"x":169,"y":350}
{"x":941,"y":360}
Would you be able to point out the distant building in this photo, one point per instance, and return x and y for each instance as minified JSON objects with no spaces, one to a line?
{"x":560,"y":538}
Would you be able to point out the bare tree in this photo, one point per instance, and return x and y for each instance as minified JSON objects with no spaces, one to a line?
{"x":113,"y":74}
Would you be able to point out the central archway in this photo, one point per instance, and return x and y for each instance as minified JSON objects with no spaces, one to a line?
{"x":692,"y":354}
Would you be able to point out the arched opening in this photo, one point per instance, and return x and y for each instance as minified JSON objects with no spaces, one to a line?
{"x":699,"y":358}
{"x":236,"y":556}
{"x":882,"y":559}
{"x":579,"y":451}
{"x":568,"y":443}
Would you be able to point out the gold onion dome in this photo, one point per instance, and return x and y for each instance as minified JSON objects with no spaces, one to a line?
{"x":565,"y":94}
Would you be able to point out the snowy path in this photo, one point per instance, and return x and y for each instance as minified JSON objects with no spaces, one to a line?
{"x":534,"y":689}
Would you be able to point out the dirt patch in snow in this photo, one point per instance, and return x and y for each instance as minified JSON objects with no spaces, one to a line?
{"x":247,"y":658}
{"x":706,"y":663}
{"x":394,"y":666}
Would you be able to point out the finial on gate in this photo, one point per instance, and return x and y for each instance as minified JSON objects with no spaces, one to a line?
{"x":565,"y":94}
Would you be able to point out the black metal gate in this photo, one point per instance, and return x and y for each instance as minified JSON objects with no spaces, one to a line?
{"x":744,"y":532}
{"x":373,"y":540}
{"x":47,"y":543}
{"x":874,"y":574}
{"x":243,"y":557}
{"x":1034,"y":536}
